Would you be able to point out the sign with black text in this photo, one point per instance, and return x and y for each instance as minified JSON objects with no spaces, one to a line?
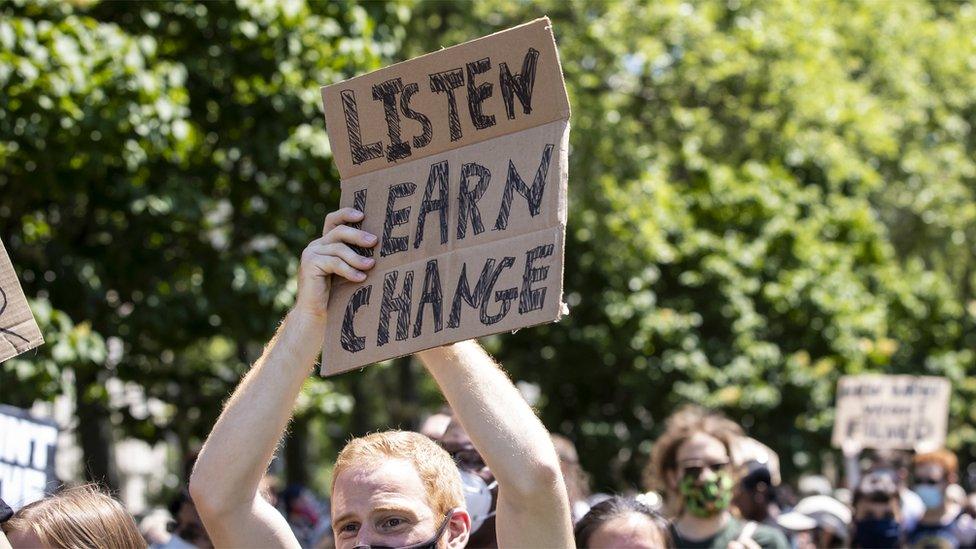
{"x":459,"y":161}
{"x":892,"y":412}
{"x":18,"y":330}
{"x":27,"y":446}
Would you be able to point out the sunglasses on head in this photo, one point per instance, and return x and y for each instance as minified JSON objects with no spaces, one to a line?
{"x":925,"y":480}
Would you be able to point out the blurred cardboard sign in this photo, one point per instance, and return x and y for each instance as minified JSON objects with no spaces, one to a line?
{"x":18,"y":330}
{"x":459,"y":160}
{"x":27,"y":446}
{"x":892,"y":412}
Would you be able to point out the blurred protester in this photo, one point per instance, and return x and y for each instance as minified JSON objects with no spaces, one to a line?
{"x":391,"y":488}
{"x":436,"y":424}
{"x":621,"y":522}
{"x":691,"y":463}
{"x":155,"y":527}
{"x":877,"y":513}
{"x":307,"y":516}
{"x":814,"y":485}
{"x":186,"y":528}
{"x":480,"y":487}
{"x":74,"y":518}
{"x":755,"y":496}
{"x":576,"y":479}
{"x":833,"y":520}
{"x":896,"y":464}
{"x":945,"y":523}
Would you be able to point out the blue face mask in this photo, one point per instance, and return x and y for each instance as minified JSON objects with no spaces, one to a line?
{"x":877,"y":533}
{"x":931,"y":495}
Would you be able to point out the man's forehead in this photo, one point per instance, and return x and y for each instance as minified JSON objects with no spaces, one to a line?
{"x":389,"y":484}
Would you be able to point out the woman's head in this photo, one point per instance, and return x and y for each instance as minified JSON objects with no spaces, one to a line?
{"x":692,"y":462}
{"x":622,"y":522}
{"x":74,"y":518}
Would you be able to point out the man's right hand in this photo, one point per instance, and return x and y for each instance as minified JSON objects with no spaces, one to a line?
{"x":330,"y":255}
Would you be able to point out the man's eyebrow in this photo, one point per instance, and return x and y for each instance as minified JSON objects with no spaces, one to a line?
{"x":344,"y":517}
{"x":403,"y":510}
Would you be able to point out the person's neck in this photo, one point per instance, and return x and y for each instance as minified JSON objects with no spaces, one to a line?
{"x":935,"y":515}
{"x":699,"y":528}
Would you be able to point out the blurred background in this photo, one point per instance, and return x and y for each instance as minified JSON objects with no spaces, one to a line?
{"x":764,"y":196}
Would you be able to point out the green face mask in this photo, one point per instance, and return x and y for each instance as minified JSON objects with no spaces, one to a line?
{"x":707,"y":498}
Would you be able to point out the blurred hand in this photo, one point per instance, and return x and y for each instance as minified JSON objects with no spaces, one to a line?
{"x":331,"y":255}
{"x":851,"y":448}
{"x":743,"y":544}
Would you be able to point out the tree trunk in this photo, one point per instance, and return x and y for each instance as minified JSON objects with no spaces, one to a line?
{"x":94,"y":434}
{"x":296,"y":452}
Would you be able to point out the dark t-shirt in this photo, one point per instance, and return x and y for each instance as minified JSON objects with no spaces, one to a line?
{"x":765,"y":536}
{"x":5,"y":512}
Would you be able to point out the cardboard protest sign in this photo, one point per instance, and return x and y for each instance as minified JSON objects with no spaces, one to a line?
{"x":18,"y":330}
{"x":27,"y":446}
{"x":459,"y":160}
{"x":892,"y":412}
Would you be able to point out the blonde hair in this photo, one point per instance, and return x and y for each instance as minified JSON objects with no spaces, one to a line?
{"x":78,"y":518}
{"x":437,"y":470}
{"x":682,"y":425}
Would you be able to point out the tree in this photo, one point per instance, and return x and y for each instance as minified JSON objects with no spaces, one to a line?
{"x":163,"y":165}
{"x":763,"y":196}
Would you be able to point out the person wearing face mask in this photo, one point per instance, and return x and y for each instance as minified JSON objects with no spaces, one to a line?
{"x":480,"y":486}
{"x":945,"y":523}
{"x":877,"y":513}
{"x":691,"y":464}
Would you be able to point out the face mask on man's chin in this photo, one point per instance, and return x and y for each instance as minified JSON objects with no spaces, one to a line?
{"x":477,"y":498}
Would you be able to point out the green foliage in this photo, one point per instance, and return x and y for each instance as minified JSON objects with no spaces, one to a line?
{"x":764,"y":196}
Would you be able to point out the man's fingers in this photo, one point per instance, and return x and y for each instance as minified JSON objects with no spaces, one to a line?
{"x":331,"y":264}
{"x":344,"y":233}
{"x":345,"y":253}
{"x":340,"y":217}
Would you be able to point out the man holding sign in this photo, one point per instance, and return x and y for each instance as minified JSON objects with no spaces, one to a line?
{"x":454,"y":178}
{"x":390,"y":489}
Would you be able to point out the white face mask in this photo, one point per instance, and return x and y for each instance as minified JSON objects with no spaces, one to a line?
{"x":477,"y":498}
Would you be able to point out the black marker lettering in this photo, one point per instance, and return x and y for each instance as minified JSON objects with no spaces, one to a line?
{"x":447,"y":82}
{"x":360,"y":153}
{"x":505,"y":297}
{"x":439,"y":173}
{"x":432,"y":294}
{"x":400,"y":304}
{"x":348,"y":338}
{"x":359,"y":202}
{"x":532,"y":196}
{"x":394,"y":244}
{"x":463,"y":292}
{"x":427,"y":133}
{"x":478,"y":94}
{"x":529,"y":299}
{"x":468,"y":200}
{"x":386,"y":92}
{"x":520,"y":85}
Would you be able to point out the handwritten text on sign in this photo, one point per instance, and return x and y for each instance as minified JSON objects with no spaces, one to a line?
{"x":18,"y":330}
{"x":26,"y":457}
{"x":468,"y":198}
{"x":892,"y":412}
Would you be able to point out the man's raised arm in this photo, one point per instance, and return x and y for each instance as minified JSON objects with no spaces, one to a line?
{"x":533,"y":508}
{"x":235,"y":457}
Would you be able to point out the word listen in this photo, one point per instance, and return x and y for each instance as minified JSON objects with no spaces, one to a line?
{"x":396,"y":98}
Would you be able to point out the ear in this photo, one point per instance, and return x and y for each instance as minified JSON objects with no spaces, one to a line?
{"x":458,"y":530}
{"x":671,"y":477}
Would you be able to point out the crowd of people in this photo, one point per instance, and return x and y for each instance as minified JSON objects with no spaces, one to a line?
{"x":484,"y":472}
